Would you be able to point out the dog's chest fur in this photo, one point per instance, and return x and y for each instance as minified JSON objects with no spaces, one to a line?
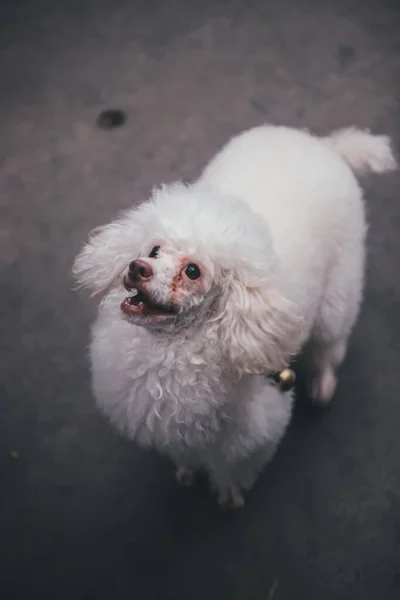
{"x":166,"y":392}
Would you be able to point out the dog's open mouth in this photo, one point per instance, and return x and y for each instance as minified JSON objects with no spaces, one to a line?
{"x":141,"y":305}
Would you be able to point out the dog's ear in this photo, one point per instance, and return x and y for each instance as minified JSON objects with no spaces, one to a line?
{"x":108,"y":252}
{"x":259,"y":328}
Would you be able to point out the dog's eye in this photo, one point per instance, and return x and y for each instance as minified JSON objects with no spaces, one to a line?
{"x":192,"y":271}
{"x":155,"y":252}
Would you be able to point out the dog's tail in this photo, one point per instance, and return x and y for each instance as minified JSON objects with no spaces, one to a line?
{"x":363,"y":151}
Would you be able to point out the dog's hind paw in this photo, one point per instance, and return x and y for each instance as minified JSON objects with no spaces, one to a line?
{"x":323,"y":388}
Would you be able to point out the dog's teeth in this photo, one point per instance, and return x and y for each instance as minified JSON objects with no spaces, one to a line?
{"x":140,"y":305}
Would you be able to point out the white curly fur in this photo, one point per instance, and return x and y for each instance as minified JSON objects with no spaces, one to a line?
{"x":276,"y":223}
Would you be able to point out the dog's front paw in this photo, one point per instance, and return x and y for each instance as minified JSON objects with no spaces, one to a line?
{"x":184,"y":476}
{"x":230,"y":497}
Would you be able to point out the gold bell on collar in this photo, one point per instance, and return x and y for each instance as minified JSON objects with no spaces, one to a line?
{"x":284,"y":380}
{"x":287,"y":379}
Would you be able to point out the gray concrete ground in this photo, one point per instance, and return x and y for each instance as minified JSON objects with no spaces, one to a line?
{"x":84,"y":514}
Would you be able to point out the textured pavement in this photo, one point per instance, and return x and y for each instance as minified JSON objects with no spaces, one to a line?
{"x":83,"y":513}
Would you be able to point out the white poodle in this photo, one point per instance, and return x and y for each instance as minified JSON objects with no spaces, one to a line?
{"x":227,"y":279}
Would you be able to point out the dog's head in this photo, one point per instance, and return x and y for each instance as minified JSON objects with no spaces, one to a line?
{"x":166,"y":284}
{"x":191,"y":257}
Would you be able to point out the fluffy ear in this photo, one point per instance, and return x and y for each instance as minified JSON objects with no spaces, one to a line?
{"x":259,"y":328}
{"x":108,"y":252}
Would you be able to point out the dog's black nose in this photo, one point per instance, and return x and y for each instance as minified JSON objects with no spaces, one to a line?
{"x":140,"y":270}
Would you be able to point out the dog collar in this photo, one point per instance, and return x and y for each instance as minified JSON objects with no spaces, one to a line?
{"x":284,"y":380}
